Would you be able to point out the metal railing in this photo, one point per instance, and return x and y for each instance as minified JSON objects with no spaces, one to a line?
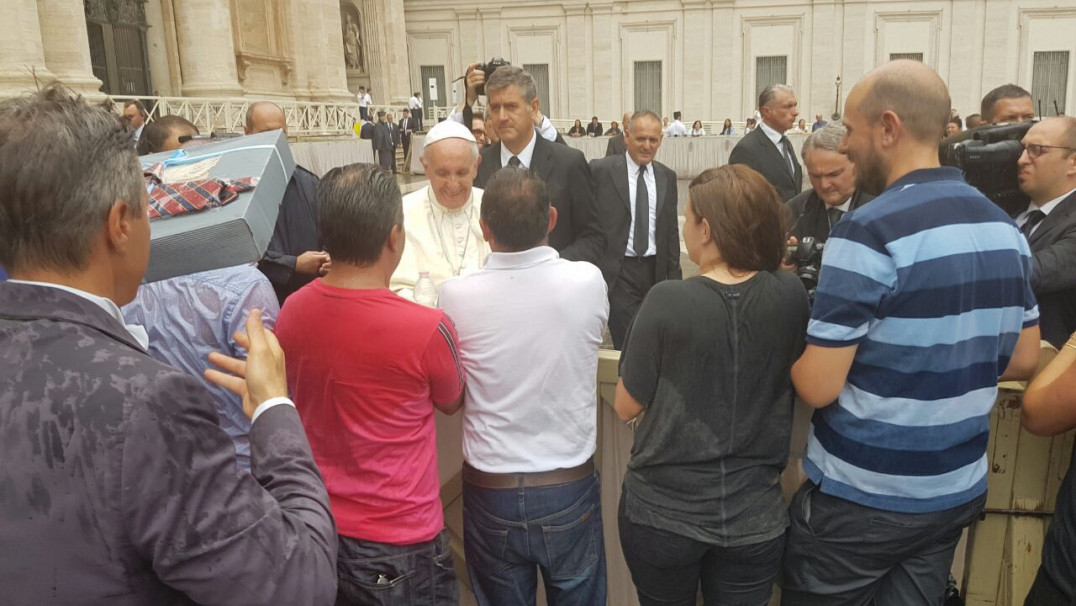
{"x":304,"y":118}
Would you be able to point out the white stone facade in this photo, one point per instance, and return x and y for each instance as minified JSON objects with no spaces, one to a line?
{"x":708,"y":48}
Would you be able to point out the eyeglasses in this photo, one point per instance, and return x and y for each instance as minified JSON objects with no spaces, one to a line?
{"x":1034,"y":150}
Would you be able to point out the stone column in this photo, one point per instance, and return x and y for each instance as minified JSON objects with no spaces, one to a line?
{"x":391,"y":74}
{"x":21,"y":54}
{"x":579,"y":101}
{"x":206,"y":48}
{"x":66,"y":44}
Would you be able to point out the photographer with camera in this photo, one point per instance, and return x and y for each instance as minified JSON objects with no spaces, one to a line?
{"x":1047,"y":174}
{"x":477,"y":74}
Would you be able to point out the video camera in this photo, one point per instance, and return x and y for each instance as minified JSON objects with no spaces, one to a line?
{"x":988,"y":156}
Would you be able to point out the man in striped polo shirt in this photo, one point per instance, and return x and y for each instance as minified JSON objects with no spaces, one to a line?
{"x":923,"y":303}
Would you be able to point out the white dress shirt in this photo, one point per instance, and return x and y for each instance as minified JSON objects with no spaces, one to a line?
{"x":775,"y":137}
{"x":440,"y":241}
{"x":524,"y":156}
{"x":414,"y":103}
{"x":676,"y":129}
{"x":529,"y":325}
{"x":652,"y":192}
{"x":1045,"y":208}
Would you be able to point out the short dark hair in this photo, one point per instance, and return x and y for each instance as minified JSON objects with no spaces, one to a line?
{"x":973,"y":120}
{"x":380,"y":113}
{"x":745,"y":213}
{"x":676,"y":115}
{"x":138,"y":104}
{"x":158,"y":131}
{"x":956,"y":120}
{"x":358,"y":205}
{"x":1005,"y":91}
{"x":515,"y":207}
{"x":63,"y":163}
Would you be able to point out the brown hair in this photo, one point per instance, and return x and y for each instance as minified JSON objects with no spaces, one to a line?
{"x":745,"y":216}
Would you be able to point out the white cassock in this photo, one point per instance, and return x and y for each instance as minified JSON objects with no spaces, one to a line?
{"x":444,"y":242}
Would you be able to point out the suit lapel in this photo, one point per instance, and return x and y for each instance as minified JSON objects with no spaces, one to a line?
{"x":619,"y":176}
{"x":1057,"y":217}
{"x":774,"y":153}
{"x":542,"y":159}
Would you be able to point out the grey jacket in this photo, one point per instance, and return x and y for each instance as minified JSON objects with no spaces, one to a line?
{"x":117,"y":485}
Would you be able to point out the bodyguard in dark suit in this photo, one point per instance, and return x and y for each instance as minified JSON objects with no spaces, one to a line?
{"x":119,"y":486}
{"x":637,"y":203}
{"x":766,"y":149}
{"x":512,"y":105}
{"x":617,"y":145}
{"x":1047,"y":173}
{"x":383,"y":146}
{"x":406,"y":127}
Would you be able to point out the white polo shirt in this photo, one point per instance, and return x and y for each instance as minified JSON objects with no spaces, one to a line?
{"x":529,"y":326}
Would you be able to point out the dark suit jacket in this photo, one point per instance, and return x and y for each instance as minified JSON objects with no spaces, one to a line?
{"x":405,"y":133}
{"x":616,"y":146}
{"x":578,"y":234}
{"x":118,"y":486}
{"x":809,"y":214}
{"x":366,"y":131}
{"x":396,"y":134}
{"x":758,"y":152}
{"x":1053,"y":271}
{"x":296,"y":232}
{"x":595,"y":129}
{"x":383,"y":136}
{"x":614,"y":205}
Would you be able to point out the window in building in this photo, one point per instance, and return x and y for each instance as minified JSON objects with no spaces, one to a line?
{"x":911,"y":56}
{"x":770,"y":71}
{"x":436,"y":95}
{"x":1049,"y":82}
{"x":648,"y":86}
{"x":540,"y":73}
{"x":117,"y":36}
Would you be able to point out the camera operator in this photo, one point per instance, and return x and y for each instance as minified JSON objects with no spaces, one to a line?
{"x":833,"y":188}
{"x":1007,"y":103}
{"x":476,"y":82}
{"x":1047,"y":174}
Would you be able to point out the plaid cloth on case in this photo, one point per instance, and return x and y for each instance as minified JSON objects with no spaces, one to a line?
{"x":172,"y":199}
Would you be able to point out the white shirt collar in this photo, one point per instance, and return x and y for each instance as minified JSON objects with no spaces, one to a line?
{"x":524,"y":156}
{"x":841,"y":207}
{"x":521,"y":259}
{"x":771,"y":134}
{"x":137,"y":332}
{"x":1049,"y":206}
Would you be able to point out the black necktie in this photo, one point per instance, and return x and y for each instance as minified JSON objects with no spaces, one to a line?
{"x":1033,"y":219}
{"x":786,"y":145}
{"x":835,"y":215}
{"x":514,"y":162}
{"x":641,"y":237}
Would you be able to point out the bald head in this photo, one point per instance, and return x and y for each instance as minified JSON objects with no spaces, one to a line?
{"x":912,"y":91}
{"x":264,"y":116}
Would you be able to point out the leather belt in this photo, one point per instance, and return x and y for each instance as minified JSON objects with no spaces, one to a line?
{"x":646,"y":259}
{"x":497,"y":481}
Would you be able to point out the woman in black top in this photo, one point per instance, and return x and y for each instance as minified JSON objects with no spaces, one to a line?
{"x":577,"y":130}
{"x":708,"y":359}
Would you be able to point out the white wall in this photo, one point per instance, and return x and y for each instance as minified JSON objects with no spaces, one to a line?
{"x":708,"y":48}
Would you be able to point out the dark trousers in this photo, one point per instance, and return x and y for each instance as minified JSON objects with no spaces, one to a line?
{"x":385,"y":158}
{"x":668,"y":569}
{"x":379,"y":574}
{"x":840,"y":552}
{"x":511,"y":534}
{"x":634,"y":281}
{"x":364,"y":113}
{"x":1045,"y":592}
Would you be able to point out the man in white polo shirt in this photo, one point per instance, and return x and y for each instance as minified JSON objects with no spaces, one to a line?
{"x":529,"y":326}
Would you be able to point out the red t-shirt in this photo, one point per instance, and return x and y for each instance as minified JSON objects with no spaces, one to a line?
{"x":364,"y":368}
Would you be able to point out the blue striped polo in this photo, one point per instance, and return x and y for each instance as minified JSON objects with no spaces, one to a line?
{"x":930,"y":280}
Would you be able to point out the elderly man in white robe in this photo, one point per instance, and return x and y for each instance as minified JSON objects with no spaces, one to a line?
{"x":441,"y":220}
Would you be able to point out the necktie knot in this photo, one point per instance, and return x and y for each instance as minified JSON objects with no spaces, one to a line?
{"x":835,"y":215}
{"x":1033,"y":218}
{"x":514,"y":162}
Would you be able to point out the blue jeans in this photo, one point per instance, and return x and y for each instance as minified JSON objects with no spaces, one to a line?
{"x":380,"y":574}
{"x":509,"y":534}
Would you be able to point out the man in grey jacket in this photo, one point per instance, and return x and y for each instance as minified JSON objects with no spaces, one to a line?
{"x":117,"y":484}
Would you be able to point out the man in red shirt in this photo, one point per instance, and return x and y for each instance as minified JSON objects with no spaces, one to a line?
{"x":370,"y":368}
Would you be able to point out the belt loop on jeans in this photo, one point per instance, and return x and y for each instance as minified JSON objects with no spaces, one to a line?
{"x":498,"y":481}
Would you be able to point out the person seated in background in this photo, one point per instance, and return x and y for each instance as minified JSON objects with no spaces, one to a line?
{"x":696,"y":129}
{"x":1049,"y":409}
{"x":973,"y":121}
{"x":577,"y":130}
{"x":187,"y":317}
{"x":120,"y":486}
{"x":702,"y":504}
{"x":818,"y":123}
{"x":368,"y":370}
{"x":166,"y":133}
{"x":594,"y":129}
{"x":530,"y":324}
{"x":833,"y":190}
{"x":665,"y":126}
{"x":726,"y":128}
{"x":801,"y":127}
{"x":749,"y":125}
{"x":614,"y":130}
{"x":954,"y":126}
{"x":444,"y":238}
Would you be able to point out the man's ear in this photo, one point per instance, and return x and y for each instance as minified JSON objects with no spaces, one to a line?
{"x":397,"y":238}
{"x":487,"y":234}
{"x":891,"y":126}
{"x":552,"y":219}
{"x":119,"y":223}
